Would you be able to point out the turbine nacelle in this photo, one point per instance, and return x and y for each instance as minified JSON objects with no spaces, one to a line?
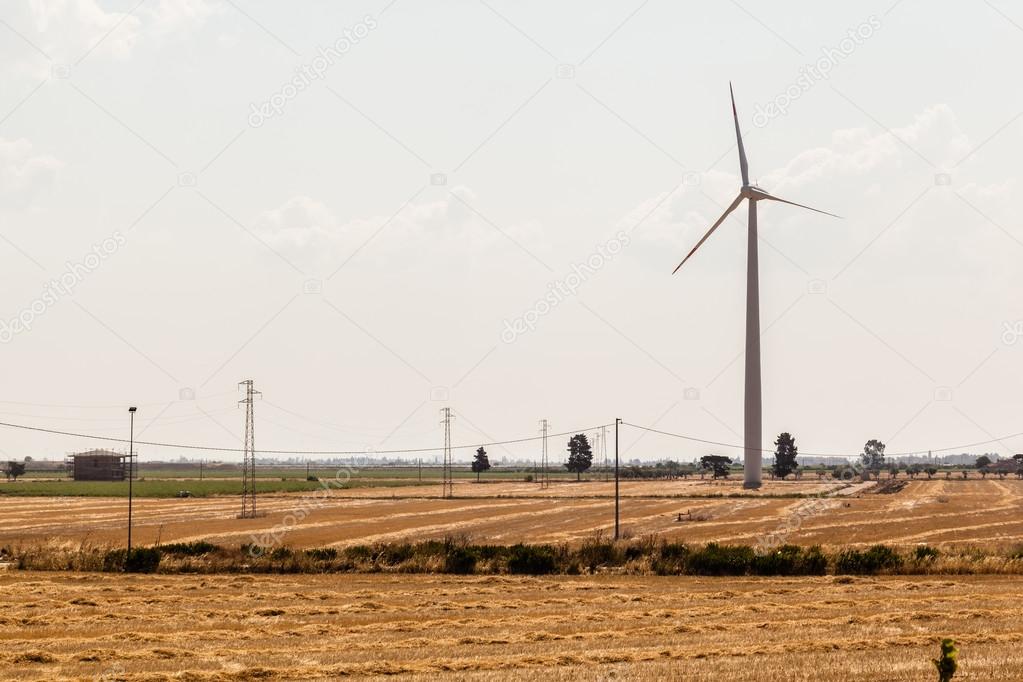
{"x":753,"y":193}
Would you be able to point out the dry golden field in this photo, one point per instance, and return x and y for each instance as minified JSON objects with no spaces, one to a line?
{"x":987,"y":513}
{"x":323,"y":627}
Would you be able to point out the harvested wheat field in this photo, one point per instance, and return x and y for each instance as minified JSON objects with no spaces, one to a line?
{"x":985,"y":513}
{"x":117,"y":627}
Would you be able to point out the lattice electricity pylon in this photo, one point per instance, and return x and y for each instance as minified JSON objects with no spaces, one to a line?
{"x":249,"y":460}
{"x":448,"y":483}
{"x":543,"y":476}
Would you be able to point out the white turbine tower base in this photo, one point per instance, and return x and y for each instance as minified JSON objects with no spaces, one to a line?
{"x":753,"y":417}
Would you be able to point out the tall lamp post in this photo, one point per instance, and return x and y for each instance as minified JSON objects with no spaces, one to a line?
{"x":131,"y":470}
{"x":617,"y":422}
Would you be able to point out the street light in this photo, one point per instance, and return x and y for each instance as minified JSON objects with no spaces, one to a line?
{"x":617,"y":499}
{"x":131,"y":452}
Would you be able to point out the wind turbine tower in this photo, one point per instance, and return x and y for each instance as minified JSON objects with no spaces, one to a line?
{"x":753,"y":417}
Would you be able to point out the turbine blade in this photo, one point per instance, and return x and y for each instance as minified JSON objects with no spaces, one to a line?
{"x":743,"y":165}
{"x":735,"y":204}
{"x":771,"y":197}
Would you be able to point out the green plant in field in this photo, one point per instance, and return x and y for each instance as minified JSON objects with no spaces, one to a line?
{"x":532,"y":559}
{"x":139,"y":560}
{"x":947,"y":663}
{"x":459,"y":560}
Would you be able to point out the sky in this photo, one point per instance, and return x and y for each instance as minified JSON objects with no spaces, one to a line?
{"x":376,"y":210}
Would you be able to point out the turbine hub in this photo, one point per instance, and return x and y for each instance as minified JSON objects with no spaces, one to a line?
{"x":753,"y":193}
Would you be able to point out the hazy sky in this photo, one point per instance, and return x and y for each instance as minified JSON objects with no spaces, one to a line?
{"x":376,"y":209}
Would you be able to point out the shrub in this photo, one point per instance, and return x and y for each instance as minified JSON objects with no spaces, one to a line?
{"x":715,"y":559}
{"x":358,"y":552}
{"x":814,"y":561}
{"x":947,"y":662}
{"x":873,"y":560}
{"x":531,"y":559}
{"x":139,"y":560}
{"x":597,"y":552}
{"x":280,"y":553}
{"x":925,"y":553}
{"x":460,"y":561}
{"x":394,"y":554}
{"x":197,"y":548}
{"x":322,"y":553}
{"x":529,"y":478}
{"x":313,"y":479}
{"x":790,"y":560}
{"x":253,"y":551}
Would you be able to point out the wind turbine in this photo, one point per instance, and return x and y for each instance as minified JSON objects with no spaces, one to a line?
{"x":753,"y":423}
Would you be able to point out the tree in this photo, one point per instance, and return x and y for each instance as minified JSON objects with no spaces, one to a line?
{"x":14,"y":469}
{"x":931,"y":470}
{"x":580,"y":456}
{"x":873,"y":455}
{"x":480,"y":462}
{"x":1019,"y":465}
{"x":785,"y":453}
{"x":716,"y":463}
{"x":983,"y":462}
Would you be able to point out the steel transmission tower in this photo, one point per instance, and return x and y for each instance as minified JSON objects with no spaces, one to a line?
{"x":249,"y":461}
{"x":448,"y":483}
{"x":543,"y":476}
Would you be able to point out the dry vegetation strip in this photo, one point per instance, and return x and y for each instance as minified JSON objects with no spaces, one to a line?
{"x":134,"y":628}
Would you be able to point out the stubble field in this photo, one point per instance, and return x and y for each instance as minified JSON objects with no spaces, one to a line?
{"x":325,"y":627}
{"x":985,"y":513}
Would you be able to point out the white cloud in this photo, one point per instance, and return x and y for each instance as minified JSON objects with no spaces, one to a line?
{"x":65,"y":30}
{"x":24,"y":176}
{"x":306,"y":230}
{"x":178,"y":16}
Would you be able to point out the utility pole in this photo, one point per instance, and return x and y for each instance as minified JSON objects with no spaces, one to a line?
{"x":307,"y":470}
{"x":545,"y":480}
{"x":131,"y":475}
{"x":201,"y":463}
{"x":249,"y":460}
{"x":617,"y":499}
{"x":420,"y":460}
{"x":447,"y":484}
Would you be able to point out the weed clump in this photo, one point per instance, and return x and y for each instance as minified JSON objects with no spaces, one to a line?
{"x":532,"y":559}
{"x":872,"y":560}
{"x":139,"y":560}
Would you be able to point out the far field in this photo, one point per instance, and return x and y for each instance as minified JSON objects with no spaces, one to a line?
{"x":986,"y":513}
{"x":221,"y":628}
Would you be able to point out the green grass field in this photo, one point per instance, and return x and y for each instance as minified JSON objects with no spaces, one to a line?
{"x":169,"y":482}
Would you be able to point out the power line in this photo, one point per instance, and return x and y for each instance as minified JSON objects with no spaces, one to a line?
{"x":824,"y":454}
{"x":209,"y":448}
{"x":186,"y":446}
